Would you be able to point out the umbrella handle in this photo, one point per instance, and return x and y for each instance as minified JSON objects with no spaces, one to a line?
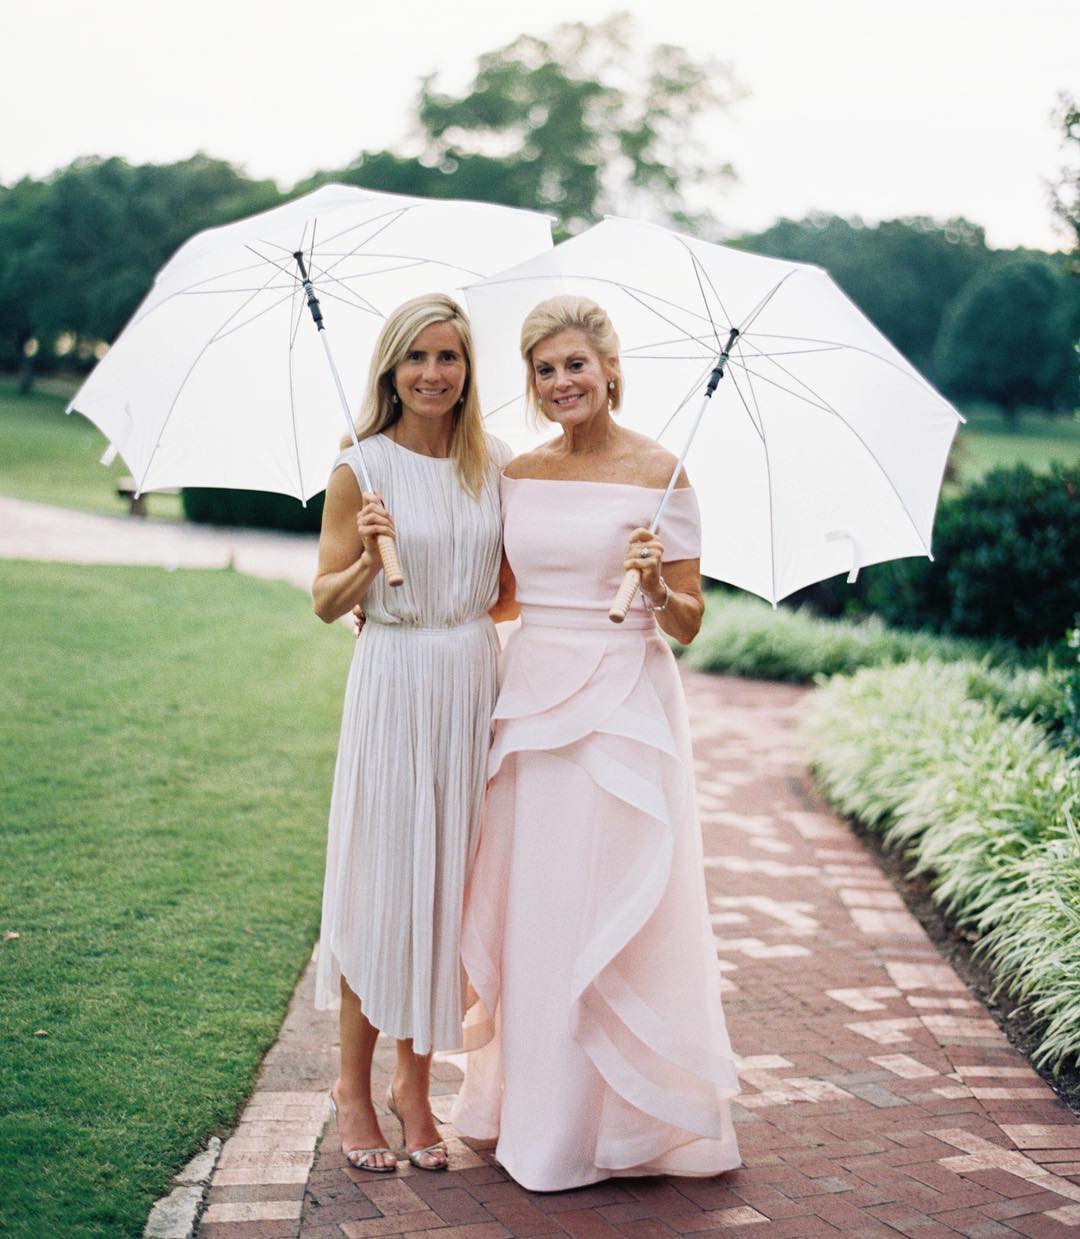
{"x":390,"y":562}
{"x":388,"y":554}
{"x":625,"y":596}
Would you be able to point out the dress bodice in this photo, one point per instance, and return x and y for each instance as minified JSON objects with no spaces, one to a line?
{"x":449,"y":543}
{"x":566,"y":540}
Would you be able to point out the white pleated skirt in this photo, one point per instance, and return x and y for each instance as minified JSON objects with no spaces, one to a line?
{"x":404,"y":821}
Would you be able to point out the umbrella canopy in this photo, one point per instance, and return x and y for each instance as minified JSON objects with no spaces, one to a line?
{"x":218,"y":380}
{"x":822,"y":449}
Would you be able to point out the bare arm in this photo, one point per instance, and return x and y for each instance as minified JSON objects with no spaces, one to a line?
{"x":506,"y":605}
{"x":348,"y":556}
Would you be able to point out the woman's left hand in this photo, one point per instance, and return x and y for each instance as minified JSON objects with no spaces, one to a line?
{"x":645,"y":555}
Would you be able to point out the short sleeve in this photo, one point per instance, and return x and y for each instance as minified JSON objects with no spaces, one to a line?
{"x":501,"y":453}
{"x":372,"y":450}
{"x":680,"y":526}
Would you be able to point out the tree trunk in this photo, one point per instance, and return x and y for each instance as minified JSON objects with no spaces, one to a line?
{"x":26,"y":375}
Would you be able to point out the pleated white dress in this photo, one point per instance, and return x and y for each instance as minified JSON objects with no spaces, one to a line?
{"x":598,"y":1044}
{"x":415,"y":732}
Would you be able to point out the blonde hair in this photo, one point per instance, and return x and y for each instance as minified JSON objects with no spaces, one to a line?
{"x":469,"y":449}
{"x":569,"y":313}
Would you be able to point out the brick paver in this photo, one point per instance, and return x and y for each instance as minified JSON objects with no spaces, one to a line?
{"x":879,"y":1098}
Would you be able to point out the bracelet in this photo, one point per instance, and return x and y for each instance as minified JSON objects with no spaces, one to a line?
{"x":663,"y":606}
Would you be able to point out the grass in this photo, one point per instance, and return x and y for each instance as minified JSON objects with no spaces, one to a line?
{"x":50,"y":457}
{"x":987,"y":443}
{"x":168,"y":745}
{"x":984,"y":805}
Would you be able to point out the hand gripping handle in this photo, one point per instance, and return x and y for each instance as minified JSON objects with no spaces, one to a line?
{"x":625,"y":596}
{"x":388,"y":554}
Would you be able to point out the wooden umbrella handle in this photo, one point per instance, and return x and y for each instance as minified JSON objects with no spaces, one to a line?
{"x":387,"y":553}
{"x":390,"y":562}
{"x":625,"y":596}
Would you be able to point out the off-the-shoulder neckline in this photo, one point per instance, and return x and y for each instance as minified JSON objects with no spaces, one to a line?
{"x":589,"y":482}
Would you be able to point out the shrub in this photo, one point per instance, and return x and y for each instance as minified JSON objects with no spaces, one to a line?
{"x":254,"y":508}
{"x":744,"y":636}
{"x":984,"y":804}
{"x":1006,"y":553}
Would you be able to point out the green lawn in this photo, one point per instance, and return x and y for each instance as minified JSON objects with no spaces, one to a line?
{"x":53,"y":458}
{"x":168,"y":745}
{"x":986,"y":443}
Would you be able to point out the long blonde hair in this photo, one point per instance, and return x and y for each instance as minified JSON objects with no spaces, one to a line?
{"x":569,"y":313}
{"x":469,"y":450}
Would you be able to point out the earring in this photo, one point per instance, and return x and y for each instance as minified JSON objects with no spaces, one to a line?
{"x":395,"y":398}
{"x":611,"y":385}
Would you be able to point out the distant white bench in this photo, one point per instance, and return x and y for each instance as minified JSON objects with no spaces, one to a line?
{"x":126,"y":489}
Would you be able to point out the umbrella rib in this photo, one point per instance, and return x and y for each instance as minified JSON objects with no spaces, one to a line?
{"x":704,"y":300}
{"x":183,"y":382}
{"x":652,"y":310}
{"x":629,"y":289}
{"x":759,"y":426}
{"x":684,"y":401}
{"x":391,"y":216}
{"x":361,"y":302}
{"x":293,"y":329}
{"x":394,"y":216}
{"x":909,"y":372}
{"x":505,"y":405}
{"x":764,"y":302}
{"x":828,"y":408}
{"x":221,"y":335}
{"x":699,"y":270}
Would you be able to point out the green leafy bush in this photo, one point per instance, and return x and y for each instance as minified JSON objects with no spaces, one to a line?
{"x":253,"y":508}
{"x":744,"y":636}
{"x":983,"y":803}
{"x":1006,"y":555}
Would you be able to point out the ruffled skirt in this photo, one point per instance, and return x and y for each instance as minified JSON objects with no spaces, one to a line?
{"x":597,"y":1042}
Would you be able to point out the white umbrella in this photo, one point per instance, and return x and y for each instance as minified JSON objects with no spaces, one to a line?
{"x":217,"y":380}
{"x":823,"y":449}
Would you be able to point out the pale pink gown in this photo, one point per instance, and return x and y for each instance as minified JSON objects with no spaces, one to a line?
{"x":597,"y":1044}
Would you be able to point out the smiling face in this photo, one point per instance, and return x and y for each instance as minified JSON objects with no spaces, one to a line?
{"x":431,"y":377}
{"x":571,"y":378}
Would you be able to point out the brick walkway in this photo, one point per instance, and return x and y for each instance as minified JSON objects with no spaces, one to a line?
{"x":879,"y":1098}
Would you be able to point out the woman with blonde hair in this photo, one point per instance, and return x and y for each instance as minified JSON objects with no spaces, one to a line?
{"x":409,"y":781}
{"x":598,"y":1044}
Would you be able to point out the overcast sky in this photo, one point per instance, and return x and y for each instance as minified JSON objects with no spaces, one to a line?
{"x":930,"y":107}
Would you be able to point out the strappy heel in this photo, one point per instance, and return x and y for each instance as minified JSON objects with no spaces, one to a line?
{"x":359,"y":1158}
{"x":432,"y":1150}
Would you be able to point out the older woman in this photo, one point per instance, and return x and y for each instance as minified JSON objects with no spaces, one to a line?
{"x":409,"y":782}
{"x":599,"y":1045}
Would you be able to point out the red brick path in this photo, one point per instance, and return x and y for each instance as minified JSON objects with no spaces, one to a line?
{"x":879,"y":1098}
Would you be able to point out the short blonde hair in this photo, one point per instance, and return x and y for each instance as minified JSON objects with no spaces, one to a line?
{"x":569,"y":313}
{"x":378,"y":411}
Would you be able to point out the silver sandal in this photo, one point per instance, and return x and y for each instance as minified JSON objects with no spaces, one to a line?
{"x":415,"y":1157}
{"x":358,"y":1158}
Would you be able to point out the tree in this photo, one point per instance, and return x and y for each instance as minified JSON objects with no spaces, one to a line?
{"x":79,"y":250}
{"x":901,"y":273}
{"x":1008,"y":338}
{"x":1066,"y":199}
{"x":577,"y":123}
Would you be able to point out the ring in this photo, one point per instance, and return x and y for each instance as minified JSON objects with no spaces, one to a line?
{"x":644,"y":552}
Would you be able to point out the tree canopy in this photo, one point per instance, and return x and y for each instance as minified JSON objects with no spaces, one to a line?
{"x":579,"y":123}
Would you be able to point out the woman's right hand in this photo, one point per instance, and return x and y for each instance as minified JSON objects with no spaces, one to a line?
{"x":372,"y":522}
